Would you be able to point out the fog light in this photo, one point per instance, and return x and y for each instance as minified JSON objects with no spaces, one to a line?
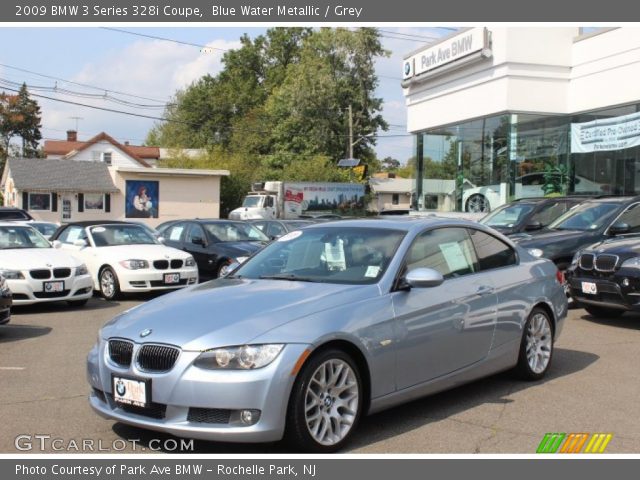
{"x":625,"y":282}
{"x":246,"y":416}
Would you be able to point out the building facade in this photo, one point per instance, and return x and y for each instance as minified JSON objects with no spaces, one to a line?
{"x":514,"y":112}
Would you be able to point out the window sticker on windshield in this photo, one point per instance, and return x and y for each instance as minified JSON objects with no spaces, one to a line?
{"x":73,"y":235}
{"x":454,"y":256}
{"x":290,"y":236}
{"x":372,"y":271}
{"x":334,"y":255}
{"x":98,"y":230}
{"x":176,"y":233}
{"x":593,"y":226}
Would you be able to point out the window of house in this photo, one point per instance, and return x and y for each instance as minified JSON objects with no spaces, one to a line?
{"x":40,"y":201}
{"x":395,"y":199}
{"x":106,"y":158}
{"x":93,"y":201}
{"x":431,"y":202}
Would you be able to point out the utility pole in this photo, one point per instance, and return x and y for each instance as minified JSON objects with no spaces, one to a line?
{"x":350,"y":132}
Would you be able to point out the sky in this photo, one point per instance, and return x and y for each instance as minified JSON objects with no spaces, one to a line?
{"x":112,"y":69}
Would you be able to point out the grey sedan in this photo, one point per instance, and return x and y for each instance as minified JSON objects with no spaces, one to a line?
{"x":325,"y":325}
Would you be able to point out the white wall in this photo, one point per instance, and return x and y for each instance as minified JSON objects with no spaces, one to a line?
{"x":118,"y":157}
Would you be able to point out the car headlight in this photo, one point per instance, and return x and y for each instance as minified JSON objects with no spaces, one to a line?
{"x":4,"y":288}
{"x":134,"y":264}
{"x":244,"y":357}
{"x":241,"y":259}
{"x":81,"y":270}
{"x":631,"y":263}
{"x":12,"y":274}
{"x":190,"y":262}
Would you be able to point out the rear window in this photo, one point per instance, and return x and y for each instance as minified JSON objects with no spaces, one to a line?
{"x":14,"y":215}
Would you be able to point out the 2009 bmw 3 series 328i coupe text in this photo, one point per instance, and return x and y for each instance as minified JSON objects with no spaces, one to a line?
{"x":328,"y":324}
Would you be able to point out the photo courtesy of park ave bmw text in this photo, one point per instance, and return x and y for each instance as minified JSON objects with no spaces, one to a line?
{"x":287,"y":239}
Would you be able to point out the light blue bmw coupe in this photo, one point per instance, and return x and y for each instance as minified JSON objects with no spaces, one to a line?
{"x":325,"y":325}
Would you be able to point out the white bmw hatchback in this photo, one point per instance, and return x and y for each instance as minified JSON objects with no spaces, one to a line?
{"x":126,"y":257}
{"x":35,"y":272}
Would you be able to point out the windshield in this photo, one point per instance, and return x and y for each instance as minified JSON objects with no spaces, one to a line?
{"x":114,"y":235}
{"x":235,"y":232}
{"x":46,"y":228}
{"x":586,"y":216}
{"x":507,"y":215}
{"x":354,"y":255}
{"x":252,"y":201}
{"x":21,"y":237}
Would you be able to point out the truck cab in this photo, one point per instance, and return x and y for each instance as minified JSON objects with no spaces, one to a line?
{"x":256,"y":205}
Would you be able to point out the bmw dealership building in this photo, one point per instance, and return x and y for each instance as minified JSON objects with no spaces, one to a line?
{"x":512,"y":112}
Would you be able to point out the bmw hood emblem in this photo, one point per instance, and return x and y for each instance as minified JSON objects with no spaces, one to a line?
{"x":146,"y":332}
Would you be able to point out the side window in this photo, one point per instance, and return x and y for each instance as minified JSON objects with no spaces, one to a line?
{"x":195,"y":231}
{"x":447,"y":250}
{"x":549,"y":213}
{"x":174,"y":232}
{"x":71,"y":234}
{"x":276,"y":230}
{"x":260,"y":226}
{"x":631,"y":217}
{"x":492,"y":253}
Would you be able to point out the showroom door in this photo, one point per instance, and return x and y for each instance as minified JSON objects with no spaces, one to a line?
{"x":67,"y":203}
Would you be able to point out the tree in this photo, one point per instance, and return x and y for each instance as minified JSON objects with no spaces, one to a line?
{"x":390,"y":164}
{"x":19,"y":117}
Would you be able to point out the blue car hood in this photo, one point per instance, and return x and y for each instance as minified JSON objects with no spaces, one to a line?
{"x":228,"y":312}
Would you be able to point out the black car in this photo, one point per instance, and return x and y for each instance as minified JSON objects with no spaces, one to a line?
{"x":277,"y":228}
{"x":215,"y":244}
{"x":604,"y":278}
{"x":12,"y":213}
{"x":529,"y":214}
{"x":5,"y":302}
{"x":589,"y":222}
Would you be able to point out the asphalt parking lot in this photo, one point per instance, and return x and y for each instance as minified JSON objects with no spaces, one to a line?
{"x":592,"y":387}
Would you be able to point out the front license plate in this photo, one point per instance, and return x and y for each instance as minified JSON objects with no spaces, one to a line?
{"x":53,"y":286}
{"x":589,"y":287}
{"x":170,"y":278}
{"x":131,"y":391}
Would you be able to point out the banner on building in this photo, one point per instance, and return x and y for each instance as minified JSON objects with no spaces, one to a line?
{"x":606,"y":134}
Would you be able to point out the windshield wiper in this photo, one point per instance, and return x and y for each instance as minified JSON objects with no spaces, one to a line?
{"x":288,"y":276}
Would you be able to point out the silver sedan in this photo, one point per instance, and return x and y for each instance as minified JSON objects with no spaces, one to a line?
{"x":325,"y":325}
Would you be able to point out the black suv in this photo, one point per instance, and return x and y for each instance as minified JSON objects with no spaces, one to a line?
{"x":589,"y":222}
{"x":529,"y":214}
{"x":604,"y":278}
{"x":12,"y":213}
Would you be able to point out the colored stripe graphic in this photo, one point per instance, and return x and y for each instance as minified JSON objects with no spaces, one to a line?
{"x":574,"y":442}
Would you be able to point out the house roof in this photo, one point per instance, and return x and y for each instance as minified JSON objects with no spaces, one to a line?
{"x":31,"y":174}
{"x":70,"y":149}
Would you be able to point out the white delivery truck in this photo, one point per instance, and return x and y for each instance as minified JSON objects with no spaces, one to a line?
{"x":288,"y":200}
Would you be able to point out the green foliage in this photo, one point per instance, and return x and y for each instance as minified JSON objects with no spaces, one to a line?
{"x":556,"y":179}
{"x":19,"y":117}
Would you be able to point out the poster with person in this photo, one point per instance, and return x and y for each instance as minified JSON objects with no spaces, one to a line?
{"x":142,"y":199}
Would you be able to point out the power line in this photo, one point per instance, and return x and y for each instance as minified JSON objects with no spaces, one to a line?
{"x":154,"y":37}
{"x":79,"y":84}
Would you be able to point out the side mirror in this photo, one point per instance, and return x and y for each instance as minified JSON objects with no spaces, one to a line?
{"x":80,"y":243}
{"x":619,"y":228}
{"x":161,"y":240}
{"x":56,"y":244}
{"x":423,"y":278}
{"x":197,"y":241}
{"x":533,"y":226}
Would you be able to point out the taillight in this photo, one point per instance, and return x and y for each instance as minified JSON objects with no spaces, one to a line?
{"x":560,"y":277}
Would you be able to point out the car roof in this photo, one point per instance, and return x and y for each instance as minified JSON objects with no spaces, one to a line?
{"x":91,"y":223}
{"x":399,"y":223}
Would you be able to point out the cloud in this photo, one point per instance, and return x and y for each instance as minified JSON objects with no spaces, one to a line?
{"x":153,"y":69}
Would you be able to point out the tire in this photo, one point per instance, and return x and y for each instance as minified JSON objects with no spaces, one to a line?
{"x":316,"y":411}
{"x":109,"y":284}
{"x":536,"y":346}
{"x":222,"y":269}
{"x":603,"y":312}
{"x":477,"y":203}
{"x":77,"y":303}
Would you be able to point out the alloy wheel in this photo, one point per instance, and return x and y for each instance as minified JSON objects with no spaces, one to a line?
{"x":539,"y":343}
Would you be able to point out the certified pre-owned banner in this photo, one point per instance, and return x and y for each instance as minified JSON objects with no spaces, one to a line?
{"x":615,"y":133}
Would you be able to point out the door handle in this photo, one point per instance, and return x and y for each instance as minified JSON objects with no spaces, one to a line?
{"x":484,"y":290}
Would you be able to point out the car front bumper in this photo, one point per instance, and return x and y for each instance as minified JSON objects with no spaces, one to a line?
{"x":148,"y":280}
{"x":5,"y":306}
{"x":185,"y":389}
{"x":611,"y":292}
{"x":28,"y":291}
